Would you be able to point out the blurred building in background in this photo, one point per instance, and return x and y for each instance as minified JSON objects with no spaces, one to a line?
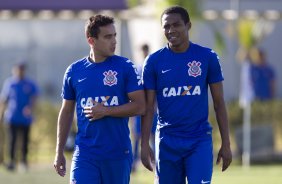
{"x":48,"y":35}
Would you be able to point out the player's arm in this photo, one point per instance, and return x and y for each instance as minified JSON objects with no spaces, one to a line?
{"x":147,"y":155}
{"x":65,"y":119}
{"x":222,"y":120}
{"x":4,"y":100}
{"x":136,"y":106}
{"x":2,"y":109}
{"x":32,"y":105}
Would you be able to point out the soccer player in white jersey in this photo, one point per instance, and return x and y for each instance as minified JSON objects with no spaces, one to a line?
{"x":178,"y":76}
{"x":105,"y":89}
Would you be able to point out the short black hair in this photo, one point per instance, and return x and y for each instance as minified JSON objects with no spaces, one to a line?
{"x":145,"y":47}
{"x":93,"y":24}
{"x":179,"y":10}
{"x":20,"y":64}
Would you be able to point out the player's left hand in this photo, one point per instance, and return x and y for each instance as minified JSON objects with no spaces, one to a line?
{"x":147,"y":157}
{"x":97,"y":111}
{"x":60,"y":164}
{"x":225,"y":155}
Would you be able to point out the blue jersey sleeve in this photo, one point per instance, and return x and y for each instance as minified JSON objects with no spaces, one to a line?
{"x":67,"y":89}
{"x":214,"y":69}
{"x":272,"y":73}
{"x":149,"y":77}
{"x":133,"y":79}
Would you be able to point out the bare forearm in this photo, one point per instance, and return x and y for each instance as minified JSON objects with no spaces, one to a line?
{"x":222,"y":120}
{"x":126,"y":110}
{"x":136,"y":106}
{"x":147,"y":119}
{"x":146,"y":125}
{"x":221,"y":117}
{"x":63,"y":128}
{"x":220,"y":111}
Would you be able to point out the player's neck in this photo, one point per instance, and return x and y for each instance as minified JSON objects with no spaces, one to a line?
{"x":180,"y":48}
{"x":96,"y":58}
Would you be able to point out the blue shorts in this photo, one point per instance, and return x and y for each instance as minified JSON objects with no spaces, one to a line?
{"x":87,"y":171}
{"x":178,"y":158}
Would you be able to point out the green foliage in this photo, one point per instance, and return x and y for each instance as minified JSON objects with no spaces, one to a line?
{"x":245,"y":33}
{"x":219,"y":39}
{"x":262,"y":112}
{"x":132,"y":3}
{"x":44,"y":131}
{"x":219,"y":42}
{"x":45,"y":124}
{"x":267,"y":112}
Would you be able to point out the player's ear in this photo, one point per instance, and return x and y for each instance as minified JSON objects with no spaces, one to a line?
{"x":189,"y":25}
{"x":90,"y":40}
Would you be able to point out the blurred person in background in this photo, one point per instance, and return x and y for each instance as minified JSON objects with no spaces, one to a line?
{"x":178,"y":77}
{"x":262,"y":76}
{"x":137,"y":120}
{"x":106,"y":90}
{"x":17,"y":101}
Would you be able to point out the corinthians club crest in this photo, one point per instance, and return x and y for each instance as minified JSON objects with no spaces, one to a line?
{"x":110,"y":78}
{"x":194,"y":68}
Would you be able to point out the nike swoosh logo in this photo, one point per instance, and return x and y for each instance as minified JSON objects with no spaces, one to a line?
{"x":164,"y":71}
{"x":203,"y":182}
{"x":80,"y":80}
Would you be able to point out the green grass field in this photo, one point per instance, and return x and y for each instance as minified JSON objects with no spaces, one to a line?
{"x":45,"y":174}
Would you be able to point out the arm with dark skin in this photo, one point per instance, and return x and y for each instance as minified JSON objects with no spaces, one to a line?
{"x":65,"y":119}
{"x":224,"y":153}
{"x":136,"y":106}
{"x":147,"y":155}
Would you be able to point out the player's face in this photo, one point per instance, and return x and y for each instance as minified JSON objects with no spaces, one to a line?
{"x":105,"y":44}
{"x":19,"y":71}
{"x":176,"y":31}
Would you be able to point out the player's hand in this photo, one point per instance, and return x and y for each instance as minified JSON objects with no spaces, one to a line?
{"x":147,"y":157}
{"x":60,"y":164}
{"x":225,"y":155}
{"x":97,"y":111}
